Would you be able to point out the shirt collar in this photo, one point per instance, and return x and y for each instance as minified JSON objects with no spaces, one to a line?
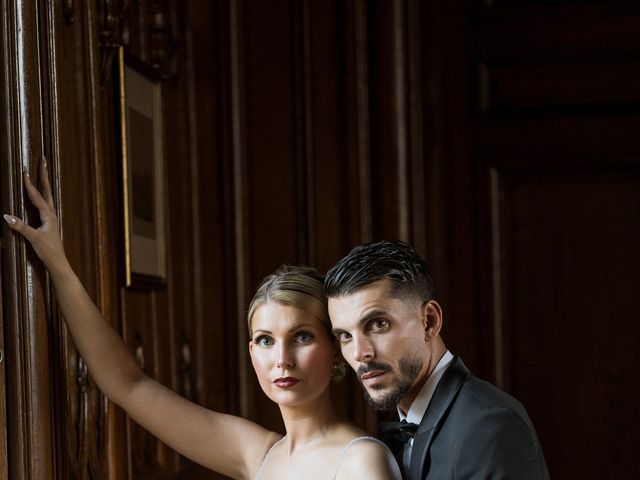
{"x":421,"y":402}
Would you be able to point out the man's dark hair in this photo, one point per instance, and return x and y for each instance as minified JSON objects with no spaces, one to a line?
{"x":368,"y":263}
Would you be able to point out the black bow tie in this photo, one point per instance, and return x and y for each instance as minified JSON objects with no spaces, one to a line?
{"x":397,"y":434}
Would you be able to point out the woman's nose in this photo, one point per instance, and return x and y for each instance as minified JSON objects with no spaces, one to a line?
{"x":284,"y":357}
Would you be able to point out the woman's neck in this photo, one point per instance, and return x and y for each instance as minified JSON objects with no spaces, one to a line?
{"x":308,"y":423}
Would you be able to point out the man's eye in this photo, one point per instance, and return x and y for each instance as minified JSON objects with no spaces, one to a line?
{"x":263,"y":341}
{"x":304,"y":337}
{"x":378,"y":325}
{"x":343,"y":337}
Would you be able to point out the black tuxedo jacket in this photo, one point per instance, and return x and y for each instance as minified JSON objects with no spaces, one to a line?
{"x":473,"y":430}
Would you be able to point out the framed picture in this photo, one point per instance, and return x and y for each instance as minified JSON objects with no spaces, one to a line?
{"x":141,"y":132}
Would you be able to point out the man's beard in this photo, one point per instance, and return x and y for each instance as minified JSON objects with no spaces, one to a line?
{"x":410,"y":368}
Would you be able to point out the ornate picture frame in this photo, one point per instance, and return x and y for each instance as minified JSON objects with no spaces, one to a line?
{"x":143,"y":174}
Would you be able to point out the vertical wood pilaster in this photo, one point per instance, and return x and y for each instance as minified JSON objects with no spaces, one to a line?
{"x":30,"y":438}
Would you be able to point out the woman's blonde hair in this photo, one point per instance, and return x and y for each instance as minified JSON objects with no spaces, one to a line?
{"x":296,"y":286}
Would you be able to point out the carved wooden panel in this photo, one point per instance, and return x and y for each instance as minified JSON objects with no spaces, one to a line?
{"x":540,"y":56}
{"x":558,"y":211}
{"x":85,"y":415}
{"x":567,"y":328}
{"x":72,"y":84}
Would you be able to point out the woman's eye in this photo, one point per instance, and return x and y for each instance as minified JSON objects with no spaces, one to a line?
{"x":304,"y":337}
{"x":263,"y":341}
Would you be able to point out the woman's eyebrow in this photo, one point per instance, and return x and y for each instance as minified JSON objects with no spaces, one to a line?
{"x":260,"y":331}
{"x":292,"y":329}
{"x":300,"y":325}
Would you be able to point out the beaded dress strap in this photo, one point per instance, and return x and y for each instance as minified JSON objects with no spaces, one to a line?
{"x":355,"y":440}
{"x":264,"y":459}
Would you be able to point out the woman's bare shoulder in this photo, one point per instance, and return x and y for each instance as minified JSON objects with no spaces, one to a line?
{"x":264,"y":446}
{"x":367,"y":457}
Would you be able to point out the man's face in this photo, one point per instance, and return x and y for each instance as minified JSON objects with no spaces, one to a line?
{"x":383,"y":339}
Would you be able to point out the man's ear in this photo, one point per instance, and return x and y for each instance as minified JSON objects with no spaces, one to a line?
{"x":431,"y":319}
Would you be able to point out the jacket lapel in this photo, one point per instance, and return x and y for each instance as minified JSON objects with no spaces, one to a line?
{"x":446,"y":391}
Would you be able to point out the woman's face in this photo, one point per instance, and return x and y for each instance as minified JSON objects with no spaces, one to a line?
{"x":292,"y":354}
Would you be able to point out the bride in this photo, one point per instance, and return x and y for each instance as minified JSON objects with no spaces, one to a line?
{"x":293,"y":354}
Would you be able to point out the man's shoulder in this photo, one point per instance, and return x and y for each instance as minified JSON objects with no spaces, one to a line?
{"x":462,"y":397}
{"x":474,"y":389}
{"x":484,"y":430}
{"x":479,"y":395}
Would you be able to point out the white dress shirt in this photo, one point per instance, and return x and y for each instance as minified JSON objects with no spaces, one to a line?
{"x":421,"y":402}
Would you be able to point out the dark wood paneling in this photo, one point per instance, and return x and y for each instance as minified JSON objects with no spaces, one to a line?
{"x":491,"y":135}
{"x":449,"y":85}
{"x":574,"y":85}
{"x":210,"y":146}
{"x":4,"y":453}
{"x":355,"y":184}
{"x":559,"y":200}
{"x":564,"y":225}
{"x":427,"y":56}
{"x":30,"y":432}
{"x":558,"y":32}
{"x":85,"y":420}
{"x":583,"y":135}
{"x":388,"y":120}
{"x":270,"y":136}
{"x":569,"y":337}
{"x":536,"y":57}
{"x":328,"y":30}
{"x":138,"y":317}
{"x":167,"y":324}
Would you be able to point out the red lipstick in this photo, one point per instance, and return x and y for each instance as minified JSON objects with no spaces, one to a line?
{"x":285,"y":382}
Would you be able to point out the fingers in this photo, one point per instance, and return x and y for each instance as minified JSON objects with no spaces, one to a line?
{"x":19,"y":226}
{"x":35,"y":196}
{"x":44,"y":204}
{"x":46,"y":186}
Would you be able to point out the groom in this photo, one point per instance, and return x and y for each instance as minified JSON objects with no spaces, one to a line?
{"x":454,"y":425}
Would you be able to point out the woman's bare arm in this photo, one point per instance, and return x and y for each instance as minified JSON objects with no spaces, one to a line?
{"x":192,"y":430}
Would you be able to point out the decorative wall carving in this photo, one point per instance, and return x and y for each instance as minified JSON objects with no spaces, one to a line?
{"x":114,"y":33}
{"x":164,"y":38}
{"x":68,"y":9}
{"x":84,"y":441}
{"x":156,"y":39}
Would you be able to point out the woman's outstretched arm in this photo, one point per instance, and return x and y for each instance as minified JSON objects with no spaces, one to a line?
{"x":192,"y":430}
